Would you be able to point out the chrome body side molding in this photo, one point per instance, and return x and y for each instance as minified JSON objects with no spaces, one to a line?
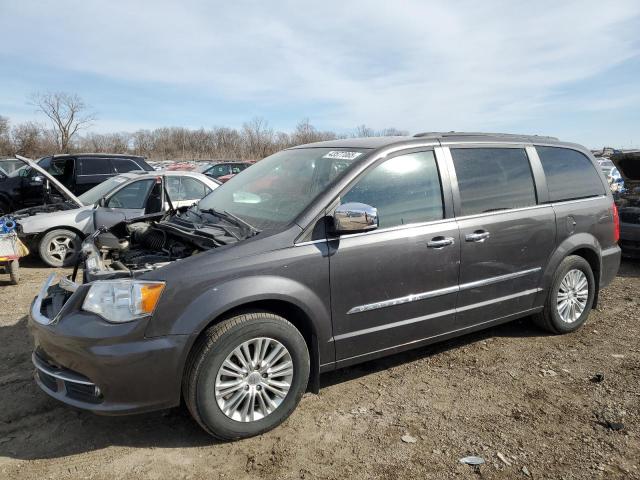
{"x":442,"y":291}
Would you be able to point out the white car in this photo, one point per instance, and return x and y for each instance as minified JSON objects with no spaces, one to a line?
{"x":56,"y":231}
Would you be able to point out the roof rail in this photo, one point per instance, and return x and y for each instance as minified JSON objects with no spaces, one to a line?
{"x":481,"y":134}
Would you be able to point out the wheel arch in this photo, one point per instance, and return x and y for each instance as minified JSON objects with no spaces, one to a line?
{"x":295,"y":303}
{"x":39,"y":235}
{"x":583,"y":245}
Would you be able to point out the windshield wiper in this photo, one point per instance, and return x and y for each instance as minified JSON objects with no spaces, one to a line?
{"x":231,"y":218}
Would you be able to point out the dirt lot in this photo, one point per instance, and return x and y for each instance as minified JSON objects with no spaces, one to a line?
{"x":510,"y":392}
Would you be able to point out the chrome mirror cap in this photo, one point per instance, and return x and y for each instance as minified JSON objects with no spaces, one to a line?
{"x":355,"y":217}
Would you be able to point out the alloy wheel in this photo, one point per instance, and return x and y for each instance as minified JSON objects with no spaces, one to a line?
{"x":254,"y":379}
{"x":572,"y":295}
{"x":61,"y":248}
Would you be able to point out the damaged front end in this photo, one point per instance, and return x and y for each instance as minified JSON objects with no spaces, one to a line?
{"x":136,"y":246}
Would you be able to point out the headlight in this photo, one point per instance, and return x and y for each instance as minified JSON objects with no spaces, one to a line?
{"x":122,"y":300}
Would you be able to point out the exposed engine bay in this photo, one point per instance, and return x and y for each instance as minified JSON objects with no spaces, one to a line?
{"x":57,"y":204}
{"x":154,"y":241}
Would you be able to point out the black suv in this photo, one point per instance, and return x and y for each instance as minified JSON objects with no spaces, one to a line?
{"x":26,"y":187}
{"x":320,"y":257}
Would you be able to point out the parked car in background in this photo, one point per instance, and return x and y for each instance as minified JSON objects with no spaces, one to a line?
{"x":628,"y":200}
{"x":57,"y":233}
{"x":605,"y":165}
{"x":23,"y":183}
{"x":183,"y":166}
{"x":352,"y":250}
{"x":223,"y":171}
{"x":81,"y":172}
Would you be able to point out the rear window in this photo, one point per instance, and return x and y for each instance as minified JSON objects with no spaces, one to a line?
{"x":95,"y":166}
{"x":492,"y":179}
{"x":570,"y":174}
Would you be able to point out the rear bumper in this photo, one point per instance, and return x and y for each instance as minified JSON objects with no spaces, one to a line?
{"x":610,"y":264}
{"x":86,"y":362}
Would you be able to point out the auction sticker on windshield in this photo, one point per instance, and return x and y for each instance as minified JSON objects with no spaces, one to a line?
{"x":341,"y":155}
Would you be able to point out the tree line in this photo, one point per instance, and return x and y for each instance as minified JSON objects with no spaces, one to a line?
{"x":68,"y":115}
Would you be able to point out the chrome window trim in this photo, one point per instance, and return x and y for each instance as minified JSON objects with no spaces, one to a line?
{"x":577,"y":200}
{"x":378,"y":230}
{"x":453,"y":219}
{"x":502,"y":212}
{"x":441,"y":291}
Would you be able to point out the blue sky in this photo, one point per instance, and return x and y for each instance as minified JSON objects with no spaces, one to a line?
{"x":569,"y":69}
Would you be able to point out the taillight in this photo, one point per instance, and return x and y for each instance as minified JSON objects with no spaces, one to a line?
{"x":616,"y":224}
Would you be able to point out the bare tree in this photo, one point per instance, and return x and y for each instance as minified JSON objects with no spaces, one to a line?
{"x":364,"y":131}
{"x":67,"y":112}
{"x":5,"y":140}
{"x":258,"y":138}
{"x":254,"y":141}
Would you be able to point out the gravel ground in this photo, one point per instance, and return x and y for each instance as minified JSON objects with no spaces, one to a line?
{"x":530,"y":404}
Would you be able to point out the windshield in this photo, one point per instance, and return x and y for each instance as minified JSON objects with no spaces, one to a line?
{"x":91,"y":197}
{"x":274,"y":191}
{"x":12,"y":167}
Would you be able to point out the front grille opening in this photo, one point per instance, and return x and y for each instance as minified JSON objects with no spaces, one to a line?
{"x":48,"y":381}
{"x":83,"y":393}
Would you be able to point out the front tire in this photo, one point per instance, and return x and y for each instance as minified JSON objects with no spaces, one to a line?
{"x":570,"y":297}
{"x":246,"y":375}
{"x":60,"y":248}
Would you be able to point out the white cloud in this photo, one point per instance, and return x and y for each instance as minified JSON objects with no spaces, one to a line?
{"x":411,"y":64}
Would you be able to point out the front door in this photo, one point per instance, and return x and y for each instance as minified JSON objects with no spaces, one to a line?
{"x":130,"y":201}
{"x":397,"y":284}
{"x":506,"y":235}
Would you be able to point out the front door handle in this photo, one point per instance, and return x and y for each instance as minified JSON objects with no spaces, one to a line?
{"x":477,"y":236}
{"x":439,"y":242}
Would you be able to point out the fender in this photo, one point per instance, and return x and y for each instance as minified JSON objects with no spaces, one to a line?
{"x":567,"y":247}
{"x":216,"y":301}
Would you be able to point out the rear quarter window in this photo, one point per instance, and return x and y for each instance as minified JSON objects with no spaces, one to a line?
{"x":570,"y":174}
{"x":124,"y":165}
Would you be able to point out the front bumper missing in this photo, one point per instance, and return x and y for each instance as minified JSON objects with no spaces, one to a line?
{"x":36,"y":307}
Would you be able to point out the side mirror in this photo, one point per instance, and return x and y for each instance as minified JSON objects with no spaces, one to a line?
{"x":102,"y":202}
{"x":355,"y":217}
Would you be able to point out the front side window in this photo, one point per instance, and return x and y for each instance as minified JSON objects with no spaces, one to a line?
{"x":133,"y":195}
{"x":404,"y":189}
{"x":492,"y":179}
{"x":218,"y":171}
{"x":570,"y":174}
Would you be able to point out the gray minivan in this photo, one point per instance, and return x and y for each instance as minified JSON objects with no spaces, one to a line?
{"x":323,"y":256}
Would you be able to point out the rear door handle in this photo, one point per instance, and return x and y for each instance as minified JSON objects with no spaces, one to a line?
{"x":439,"y":242}
{"x":477,"y":236}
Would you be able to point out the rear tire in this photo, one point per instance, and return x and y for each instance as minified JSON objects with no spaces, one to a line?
{"x":4,"y":208}
{"x":60,"y":248}
{"x":570,"y":297}
{"x":236,"y":402}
